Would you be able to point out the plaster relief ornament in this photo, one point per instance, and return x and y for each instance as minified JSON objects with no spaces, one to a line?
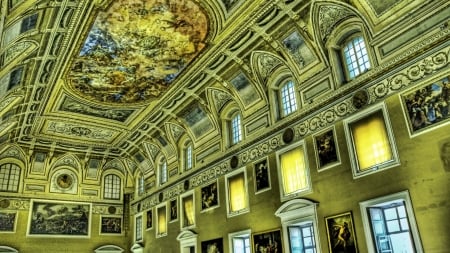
{"x":136,"y":49}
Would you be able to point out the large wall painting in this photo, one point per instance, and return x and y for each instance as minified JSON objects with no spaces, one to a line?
{"x":427,"y":106}
{"x":58,"y":218}
{"x":135,"y":49}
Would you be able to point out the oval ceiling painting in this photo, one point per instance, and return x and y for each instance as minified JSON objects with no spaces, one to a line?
{"x":137,"y":48}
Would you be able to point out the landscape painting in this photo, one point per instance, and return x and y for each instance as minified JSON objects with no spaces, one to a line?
{"x":58,"y":218}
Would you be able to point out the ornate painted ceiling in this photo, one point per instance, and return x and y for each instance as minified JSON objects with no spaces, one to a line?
{"x":136,"y":49}
{"x":129,"y":79}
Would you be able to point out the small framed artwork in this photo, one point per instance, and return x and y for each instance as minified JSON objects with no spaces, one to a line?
{"x":213,"y":246}
{"x":262,"y":176}
{"x":268,"y":241}
{"x":59,"y":219}
{"x":427,"y":106}
{"x":210,"y":199}
{"x":341,"y":233}
{"x":8,"y":221}
{"x":149,"y":223}
{"x":326,"y":149}
{"x":173,"y":210}
{"x":111,"y":225}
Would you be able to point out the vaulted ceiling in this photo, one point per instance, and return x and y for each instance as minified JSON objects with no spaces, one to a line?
{"x":104,"y":79}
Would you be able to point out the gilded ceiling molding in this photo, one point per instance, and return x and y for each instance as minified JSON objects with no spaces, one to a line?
{"x":263,"y":65}
{"x":174,"y":131}
{"x":13,"y":151}
{"x":115,"y":164}
{"x":218,"y":98}
{"x":69,"y":160}
{"x":18,"y":51}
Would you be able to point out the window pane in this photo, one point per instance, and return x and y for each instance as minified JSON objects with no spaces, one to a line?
{"x":390,"y":213}
{"x":188,"y":209}
{"x":238,"y":198}
{"x":188,"y":157}
{"x":288,"y":99}
{"x":356,"y":57}
{"x":236,"y":131}
{"x":293,"y":170}
{"x":371,"y":149}
{"x":9,"y":177}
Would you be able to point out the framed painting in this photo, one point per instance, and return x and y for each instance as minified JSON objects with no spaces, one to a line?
{"x":111,"y":225}
{"x":149,"y":223}
{"x":427,"y":106}
{"x":262,"y":176}
{"x":341,"y":233}
{"x":213,"y":246}
{"x":8,"y":221}
{"x":326,"y":149}
{"x":268,"y":241}
{"x":59,"y":219}
{"x":210,"y":198}
{"x":173,"y":210}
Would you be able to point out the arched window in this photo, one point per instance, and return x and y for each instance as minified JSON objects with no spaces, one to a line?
{"x":287,"y":99}
{"x":188,"y":156}
{"x":162,"y":169}
{"x":235,"y":128}
{"x":9,"y":177}
{"x":112,"y":186}
{"x":355,"y":56}
{"x":140,"y":184}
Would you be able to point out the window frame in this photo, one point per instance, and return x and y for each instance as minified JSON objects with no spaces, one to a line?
{"x":8,"y":184}
{"x":300,"y":192}
{"x":280,"y":98}
{"x":188,"y":156}
{"x":182,"y":210}
{"x":119,"y":187}
{"x":239,"y":234}
{"x":294,"y":213}
{"x":246,"y":209}
{"x":138,"y":228}
{"x":235,"y":128}
{"x":161,"y":208}
{"x":163,"y":173}
{"x":399,"y":196}
{"x":395,"y":161}
{"x":343,"y":56}
{"x":345,"y":30}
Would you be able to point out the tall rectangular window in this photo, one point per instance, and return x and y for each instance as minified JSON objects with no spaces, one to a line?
{"x":240,"y":241}
{"x":162,"y":220}
{"x":188,"y":157}
{"x":294,"y":172}
{"x":390,"y":225}
{"x":375,"y":151}
{"x":301,"y":238}
{"x":112,"y":187}
{"x":163,"y":172}
{"x":236,"y":129}
{"x":356,"y":57}
{"x":141,"y":184}
{"x":138,"y":228}
{"x":9,"y":177}
{"x":288,"y":99}
{"x":188,"y":212}
{"x":237,"y":195}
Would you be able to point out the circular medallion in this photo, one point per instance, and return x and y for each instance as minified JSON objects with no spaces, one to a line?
{"x":288,"y":135}
{"x":111,"y":210}
{"x":360,"y":99}
{"x":4,"y":203}
{"x":64,"y":181}
{"x":234,"y":162}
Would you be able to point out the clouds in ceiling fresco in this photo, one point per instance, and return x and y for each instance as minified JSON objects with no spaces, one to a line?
{"x":137,"y":48}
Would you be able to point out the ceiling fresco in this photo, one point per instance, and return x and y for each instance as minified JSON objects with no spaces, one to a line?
{"x":136,"y":49}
